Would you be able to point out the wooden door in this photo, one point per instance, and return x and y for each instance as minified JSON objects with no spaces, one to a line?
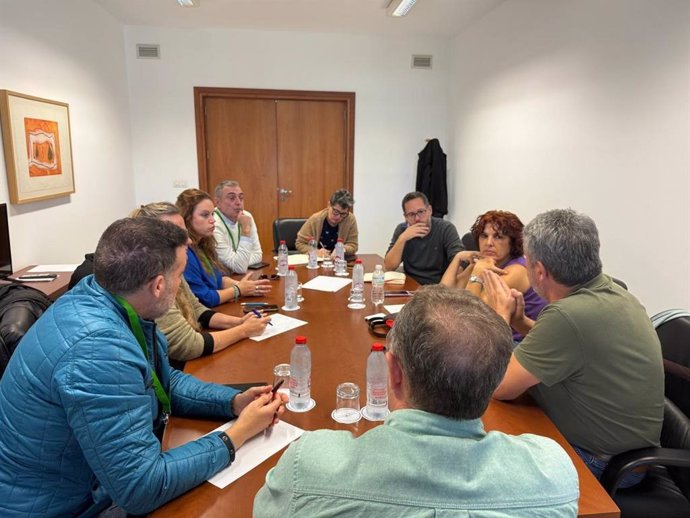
{"x":299,"y":144}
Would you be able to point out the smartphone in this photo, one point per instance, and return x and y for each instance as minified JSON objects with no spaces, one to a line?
{"x":257,"y":266}
{"x":270,"y":308}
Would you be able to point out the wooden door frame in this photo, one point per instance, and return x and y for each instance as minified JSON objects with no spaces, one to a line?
{"x":201,"y":93}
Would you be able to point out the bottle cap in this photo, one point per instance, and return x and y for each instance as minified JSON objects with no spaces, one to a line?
{"x":358,"y":261}
{"x":282,"y":241}
{"x":341,"y":240}
{"x":291,"y":267}
{"x":300,"y":339}
{"x":377,"y":347}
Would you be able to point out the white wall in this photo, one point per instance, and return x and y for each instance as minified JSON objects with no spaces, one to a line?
{"x":396,"y":107}
{"x":583,"y":104}
{"x":72,"y":52}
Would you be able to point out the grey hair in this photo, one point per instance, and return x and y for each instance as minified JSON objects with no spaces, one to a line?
{"x":566,"y":243}
{"x":453,"y":350}
{"x":343,"y":198}
{"x":132,"y":251}
{"x":413,"y":196}
{"x":218,"y":191}
{"x":155,"y":210}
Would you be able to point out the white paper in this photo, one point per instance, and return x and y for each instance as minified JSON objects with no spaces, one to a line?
{"x":394,"y":308}
{"x":326,"y":283}
{"x":389,"y":277}
{"x":255,"y":451}
{"x":50,"y":268}
{"x":297,"y":259}
{"x":281,"y":323}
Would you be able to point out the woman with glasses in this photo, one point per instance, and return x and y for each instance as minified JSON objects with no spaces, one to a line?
{"x":206,"y":277}
{"x":499,"y":236}
{"x":328,"y":225}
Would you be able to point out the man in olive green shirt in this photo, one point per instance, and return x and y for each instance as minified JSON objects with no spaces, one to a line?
{"x":592,"y":358}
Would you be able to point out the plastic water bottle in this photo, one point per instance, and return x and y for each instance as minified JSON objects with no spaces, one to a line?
{"x":357,"y":292}
{"x":291,"y":290}
{"x":377,"y":285}
{"x":313,"y":254}
{"x":358,"y":276}
{"x":377,"y":384}
{"x":340,"y":263}
{"x":300,"y":374}
{"x":282,"y":259}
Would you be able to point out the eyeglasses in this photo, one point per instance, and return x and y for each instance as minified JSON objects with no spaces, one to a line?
{"x":338,"y":213}
{"x":415,"y":215}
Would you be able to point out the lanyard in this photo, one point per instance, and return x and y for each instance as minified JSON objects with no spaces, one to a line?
{"x":138,"y":332}
{"x":232,"y":239}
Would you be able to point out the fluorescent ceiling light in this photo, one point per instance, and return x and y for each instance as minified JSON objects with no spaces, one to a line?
{"x":188,"y":3}
{"x":400,"y":7}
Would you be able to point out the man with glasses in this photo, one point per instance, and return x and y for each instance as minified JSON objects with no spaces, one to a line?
{"x":328,"y":225}
{"x":237,"y":240}
{"x":424,"y":244}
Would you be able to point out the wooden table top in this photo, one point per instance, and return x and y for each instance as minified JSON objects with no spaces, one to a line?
{"x":52,"y":289}
{"x":340,"y":341}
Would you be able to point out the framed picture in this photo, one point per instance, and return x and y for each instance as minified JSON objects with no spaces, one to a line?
{"x":38,"y":147}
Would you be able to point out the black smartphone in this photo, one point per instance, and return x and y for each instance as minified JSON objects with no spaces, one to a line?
{"x":257,"y":266}
{"x":398,"y":293}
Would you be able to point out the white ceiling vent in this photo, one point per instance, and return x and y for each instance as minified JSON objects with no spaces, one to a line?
{"x":148,"y":51}
{"x":420,"y":61}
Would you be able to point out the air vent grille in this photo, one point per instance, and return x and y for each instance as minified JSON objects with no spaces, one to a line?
{"x":148,"y":51}
{"x":421,"y":61}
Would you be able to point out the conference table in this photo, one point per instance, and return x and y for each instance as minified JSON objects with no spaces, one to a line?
{"x":340,"y":341}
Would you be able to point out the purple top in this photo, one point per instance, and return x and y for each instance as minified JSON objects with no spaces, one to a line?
{"x":533,"y":302}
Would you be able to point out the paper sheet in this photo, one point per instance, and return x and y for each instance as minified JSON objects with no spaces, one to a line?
{"x":394,"y":308}
{"x":50,"y":268}
{"x":326,"y":283}
{"x":297,"y":259}
{"x":390,"y":277}
{"x":281,"y":323}
{"x":255,"y":451}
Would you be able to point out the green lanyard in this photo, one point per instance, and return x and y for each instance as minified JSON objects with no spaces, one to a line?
{"x":232,"y":239}
{"x":138,"y":332}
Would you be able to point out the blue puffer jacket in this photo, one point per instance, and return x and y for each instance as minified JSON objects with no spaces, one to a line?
{"x":77,"y":411}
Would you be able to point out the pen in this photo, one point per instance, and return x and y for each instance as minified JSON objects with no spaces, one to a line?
{"x":277,"y":386}
{"x":258,"y":315}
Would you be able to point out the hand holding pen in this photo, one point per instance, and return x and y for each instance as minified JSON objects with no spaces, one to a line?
{"x":259,"y":315}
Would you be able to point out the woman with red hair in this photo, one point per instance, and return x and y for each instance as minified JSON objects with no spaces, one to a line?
{"x":499,"y":236}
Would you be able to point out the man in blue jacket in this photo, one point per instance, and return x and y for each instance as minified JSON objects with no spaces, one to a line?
{"x":90,"y":384}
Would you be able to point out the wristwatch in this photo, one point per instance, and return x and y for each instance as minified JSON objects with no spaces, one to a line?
{"x":478,"y":280}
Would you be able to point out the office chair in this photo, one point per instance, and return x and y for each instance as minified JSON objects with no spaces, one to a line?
{"x":469,"y":243}
{"x":665,"y":491}
{"x":287,"y":229}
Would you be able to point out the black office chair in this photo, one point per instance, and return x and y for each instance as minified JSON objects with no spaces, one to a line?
{"x":287,"y":229}
{"x":665,"y":491}
{"x":469,"y":242}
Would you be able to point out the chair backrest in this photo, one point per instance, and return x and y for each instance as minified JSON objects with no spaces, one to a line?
{"x":287,"y":229}
{"x":673,"y":329}
{"x":469,"y":242}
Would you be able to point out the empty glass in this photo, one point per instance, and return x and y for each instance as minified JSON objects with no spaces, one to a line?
{"x":281,"y":372}
{"x":347,"y":403}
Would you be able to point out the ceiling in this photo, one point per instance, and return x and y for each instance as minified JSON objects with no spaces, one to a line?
{"x":440,"y":18}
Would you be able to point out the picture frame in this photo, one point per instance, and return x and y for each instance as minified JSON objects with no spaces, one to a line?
{"x":37,"y":141}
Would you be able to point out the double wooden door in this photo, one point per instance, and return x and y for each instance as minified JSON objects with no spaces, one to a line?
{"x":289,"y":150}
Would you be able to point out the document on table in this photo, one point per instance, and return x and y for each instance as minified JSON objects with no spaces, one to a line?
{"x":50,"y":268}
{"x":298,"y":259}
{"x":281,"y":323}
{"x":326,"y":283}
{"x":389,"y":277}
{"x":255,"y":451}
{"x":394,"y":308}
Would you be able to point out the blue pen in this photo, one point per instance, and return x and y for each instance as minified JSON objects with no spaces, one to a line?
{"x":258,"y":315}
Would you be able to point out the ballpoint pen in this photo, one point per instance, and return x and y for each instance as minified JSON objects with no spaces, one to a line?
{"x":258,"y":315}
